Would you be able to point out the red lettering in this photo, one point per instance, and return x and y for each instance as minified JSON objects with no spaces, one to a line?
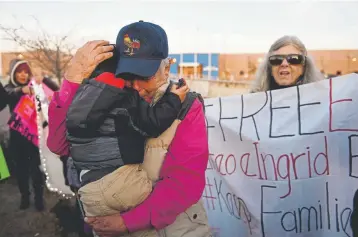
{"x":309,"y":162}
{"x":287,"y":176}
{"x":247,"y":165}
{"x":226,"y":164}
{"x":273,"y":165}
{"x":331,"y":102}
{"x":325,"y":155}
{"x":221,"y":156}
{"x":257,"y":157}
{"x":294,"y":158}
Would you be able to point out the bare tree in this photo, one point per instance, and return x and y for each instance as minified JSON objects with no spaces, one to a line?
{"x":50,"y":53}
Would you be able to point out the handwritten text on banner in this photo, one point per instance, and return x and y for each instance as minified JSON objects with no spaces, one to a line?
{"x":284,"y":162}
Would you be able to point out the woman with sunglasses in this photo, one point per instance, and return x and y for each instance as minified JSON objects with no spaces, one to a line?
{"x":285,"y":65}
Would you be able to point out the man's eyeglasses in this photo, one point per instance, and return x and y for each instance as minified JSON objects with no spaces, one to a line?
{"x":293,"y":59}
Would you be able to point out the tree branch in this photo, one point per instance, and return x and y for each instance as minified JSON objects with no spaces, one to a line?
{"x":50,"y":53}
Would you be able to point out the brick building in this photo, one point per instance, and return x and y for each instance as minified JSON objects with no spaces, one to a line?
{"x":328,"y":61}
{"x":238,"y":66}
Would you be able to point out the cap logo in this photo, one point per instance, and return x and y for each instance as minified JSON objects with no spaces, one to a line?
{"x":132,"y":45}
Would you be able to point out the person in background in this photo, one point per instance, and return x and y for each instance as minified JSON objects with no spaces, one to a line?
{"x":285,"y":65}
{"x":25,"y":154}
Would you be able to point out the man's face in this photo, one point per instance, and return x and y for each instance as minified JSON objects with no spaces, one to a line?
{"x":148,"y":88}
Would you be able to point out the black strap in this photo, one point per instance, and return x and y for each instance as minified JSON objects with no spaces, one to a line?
{"x":188,"y":102}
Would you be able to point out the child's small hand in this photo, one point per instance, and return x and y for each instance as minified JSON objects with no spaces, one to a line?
{"x":181,"y":92}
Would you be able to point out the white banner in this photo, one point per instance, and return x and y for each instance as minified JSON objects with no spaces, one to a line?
{"x":284,"y":163}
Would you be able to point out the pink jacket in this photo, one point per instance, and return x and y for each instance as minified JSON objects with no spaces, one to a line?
{"x":182,"y":173}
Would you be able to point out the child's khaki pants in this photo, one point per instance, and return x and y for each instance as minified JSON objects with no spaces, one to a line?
{"x":119,"y":191}
{"x":129,"y":185}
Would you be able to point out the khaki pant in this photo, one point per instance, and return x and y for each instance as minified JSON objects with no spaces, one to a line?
{"x":119,"y":191}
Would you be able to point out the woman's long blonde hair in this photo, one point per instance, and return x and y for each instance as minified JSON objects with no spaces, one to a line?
{"x":263,"y":76}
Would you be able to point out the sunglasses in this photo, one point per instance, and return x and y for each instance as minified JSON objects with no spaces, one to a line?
{"x":293,"y":59}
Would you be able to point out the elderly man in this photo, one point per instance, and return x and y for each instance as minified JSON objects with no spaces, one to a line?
{"x":173,"y":208}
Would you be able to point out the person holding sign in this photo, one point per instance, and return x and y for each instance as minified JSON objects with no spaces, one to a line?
{"x":173,"y":208}
{"x":26,"y":154}
{"x":285,"y":65}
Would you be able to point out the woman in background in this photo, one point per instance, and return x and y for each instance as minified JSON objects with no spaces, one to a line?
{"x":25,"y":154}
{"x":286,"y":64}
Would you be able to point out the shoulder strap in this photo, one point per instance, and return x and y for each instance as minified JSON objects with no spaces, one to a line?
{"x":189,"y":100}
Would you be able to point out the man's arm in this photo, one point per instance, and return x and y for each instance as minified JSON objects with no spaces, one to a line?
{"x":56,"y":141}
{"x":183,"y":176}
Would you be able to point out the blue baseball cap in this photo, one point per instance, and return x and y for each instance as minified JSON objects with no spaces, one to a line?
{"x":141,"y":47}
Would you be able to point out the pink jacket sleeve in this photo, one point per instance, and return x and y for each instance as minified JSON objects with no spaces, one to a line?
{"x":56,"y":140}
{"x":182,"y":173}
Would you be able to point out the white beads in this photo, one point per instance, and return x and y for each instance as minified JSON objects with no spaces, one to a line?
{"x":44,"y":161}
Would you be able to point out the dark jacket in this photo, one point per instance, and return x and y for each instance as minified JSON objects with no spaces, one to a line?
{"x":14,"y":89}
{"x":107,"y":126}
{"x":3,"y":97}
{"x":14,"y":93}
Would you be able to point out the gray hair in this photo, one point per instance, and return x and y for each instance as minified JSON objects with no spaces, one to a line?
{"x":163,"y":64}
{"x":263,"y":74}
{"x":159,"y":73}
{"x":162,"y":82}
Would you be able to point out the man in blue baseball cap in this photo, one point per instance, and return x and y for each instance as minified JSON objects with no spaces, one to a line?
{"x":142,"y":49}
{"x":142,"y":46}
{"x":143,"y":61}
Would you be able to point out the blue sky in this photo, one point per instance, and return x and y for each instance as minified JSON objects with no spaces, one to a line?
{"x":195,"y":26}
